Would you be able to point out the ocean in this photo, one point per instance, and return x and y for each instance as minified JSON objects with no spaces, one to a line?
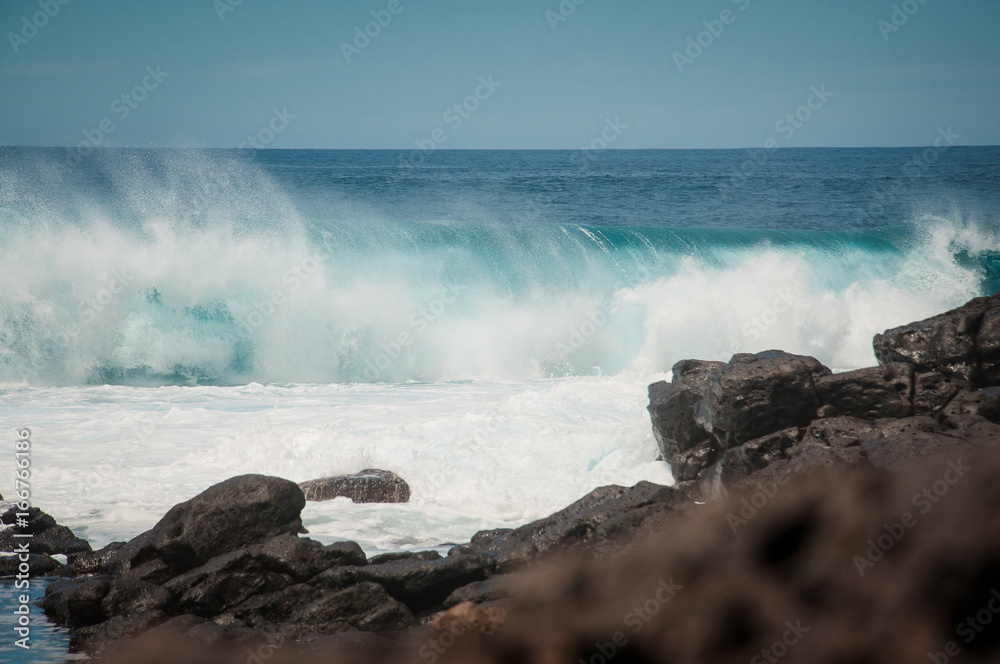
{"x":483,"y":323}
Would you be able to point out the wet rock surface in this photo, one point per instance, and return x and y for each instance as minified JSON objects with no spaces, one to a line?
{"x":229,"y":564}
{"x":763,"y":417}
{"x":963,"y":343}
{"x":604,"y":521}
{"x":43,"y":538}
{"x":368,"y":486}
{"x":47,"y":536}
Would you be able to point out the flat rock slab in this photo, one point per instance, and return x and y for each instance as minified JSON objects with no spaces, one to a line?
{"x":368,"y":486}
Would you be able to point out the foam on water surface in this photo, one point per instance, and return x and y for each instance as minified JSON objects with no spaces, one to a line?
{"x":110,"y":461}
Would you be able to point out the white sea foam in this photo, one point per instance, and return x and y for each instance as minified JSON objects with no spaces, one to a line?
{"x":110,"y":461}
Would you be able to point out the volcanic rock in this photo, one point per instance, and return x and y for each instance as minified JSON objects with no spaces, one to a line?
{"x":225,"y":517}
{"x":962,"y":343}
{"x":368,"y":486}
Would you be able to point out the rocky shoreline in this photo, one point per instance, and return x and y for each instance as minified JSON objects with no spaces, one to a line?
{"x":768,"y":416}
{"x":228,"y":568}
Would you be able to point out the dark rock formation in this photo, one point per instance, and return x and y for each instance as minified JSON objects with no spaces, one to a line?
{"x":47,"y":539}
{"x":758,"y":394}
{"x":932,"y":391}
{"x":47,"y":536}
{"x":420,"y":585}
{"x":368,"y":486}
{"x":815,"y":576}
{"x":710,"y":407}
{"x":232,"y":514}
{"x":871,"y":393}
{"x":38,"y":565}
{"x":229,"y":564}
{"x":481,"y":592}
{"x":673,"y":406}
{"x":77,"y":602}
{"x":836,"y":567}
{"x":95,"y":638}
{"x":763,"y":417}
{"x":305,"y":608}
{"x":602,"y":521}
{"x":397,"y":556}
{"x":91,"y":562}
{"x":235,"y":540}
{"x":963,"y":343}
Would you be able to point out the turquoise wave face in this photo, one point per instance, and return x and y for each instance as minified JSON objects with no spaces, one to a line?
{"x":450,"y":301}
{"x":136,"y":278}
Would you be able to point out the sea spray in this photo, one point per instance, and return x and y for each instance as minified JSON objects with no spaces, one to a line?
{"x":137,"y":273}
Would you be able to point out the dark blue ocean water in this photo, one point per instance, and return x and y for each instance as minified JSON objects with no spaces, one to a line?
{"x":805,"y":189}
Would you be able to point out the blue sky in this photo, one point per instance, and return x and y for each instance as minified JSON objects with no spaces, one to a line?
{"x":225,"y":68}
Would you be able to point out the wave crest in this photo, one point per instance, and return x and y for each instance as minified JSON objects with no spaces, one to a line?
{"x":245,"y":288}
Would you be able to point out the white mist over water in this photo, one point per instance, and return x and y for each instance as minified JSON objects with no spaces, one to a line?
{"x":187,"y":305}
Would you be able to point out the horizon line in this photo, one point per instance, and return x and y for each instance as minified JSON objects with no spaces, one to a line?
{"x":584,"y":149}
